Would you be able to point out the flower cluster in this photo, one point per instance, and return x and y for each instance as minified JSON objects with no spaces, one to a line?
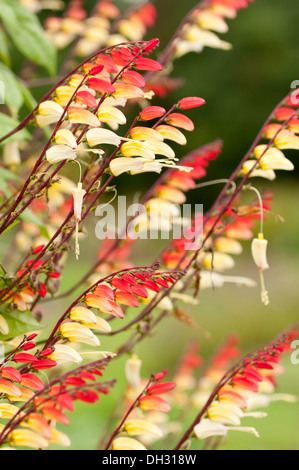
{"x":138,"y":418}
{"x":33,"y":423}
{"x":105,"y":26}
{"x":244,"y":388}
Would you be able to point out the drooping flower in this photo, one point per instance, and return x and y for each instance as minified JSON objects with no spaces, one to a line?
{"x":79,"y":333}
{"x":49,"y":112}
{"x":102,"y":136}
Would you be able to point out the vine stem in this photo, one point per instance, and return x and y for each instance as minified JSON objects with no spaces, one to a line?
{"x":11,"y":424}
{"x":28,"y":118}
{"x":61,"y":319}
{"x":134,"y":404}
{"x":225,"y":379}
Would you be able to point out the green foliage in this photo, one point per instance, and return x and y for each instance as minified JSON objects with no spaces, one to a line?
{"x":19,"y":323}
{"x":27,"y":35}
{"x":31,"y":218}
{"x":7,"y":124}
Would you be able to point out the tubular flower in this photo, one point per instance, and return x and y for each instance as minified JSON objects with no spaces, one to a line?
{"x":152,"y":112}
{"x":4,"y":328}
{"x":259,"y":254}
{"x":83,"y":116}
{"x":79,"y":333}
{"x":78,"y":196}
{"x":140,"y":149}
{"x":126,"y":443}
{"x":111,"y":115}
{"x":272,"y":159}
{"x":28,"y":438}
{"x":252,"y":167}
{"x":49,"y":112}
{"x":102,"y":136}
{"x":171,"y":133}
{"x":58,"y":153}
{"x":132,"y":369}
{"x":65,"y":137}
{"x":140,"y":427}
{"x":64,"y":353}
{"x":236,"y":389}
{"x":145,"y":133}
{"x":11,"y":154}
{"x":124,"y":90}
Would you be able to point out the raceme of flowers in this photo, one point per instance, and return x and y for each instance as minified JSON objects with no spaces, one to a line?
{"x":82,"y":117}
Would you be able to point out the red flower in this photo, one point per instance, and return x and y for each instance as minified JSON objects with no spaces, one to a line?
{"x":151,"y":45}
{"x":161,"y":388}
{"x":153,"y":403}
{"x":28,"y":346}
{"x":24,"y":358}
{"x":12,"y":374}
{"x":191,"y":102}
{"x":152,"y":112}
{"x":41,"y":364}
{"x":148,"y":64}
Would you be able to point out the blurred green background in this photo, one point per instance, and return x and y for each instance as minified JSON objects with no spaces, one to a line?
{"x":241,"y":87}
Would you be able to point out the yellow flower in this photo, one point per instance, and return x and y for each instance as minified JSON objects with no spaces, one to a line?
{"x":228,"y":245}
{"x":79,"y":333}
{"x":205,"y":38}
{"x":60,"y":438}
{"x":65,"y":137}
{"x":132,"y":369}
{"x":139,"y":427}
{"x":25,"y":395}
{"x":64,"y":353}
{"x":258,"y":172}
{"x":124,"y":90}
{"x":111,"y":114}
{"x":287,"y":140}
{"x":225,"y":413}
{"x":172,"y":133}
{"x":27,"y":438}
{"x":83,"y":315}
{"x":133,"y":30}
{"x":209,"y":20}
{"x":146,"y":133}
{"x":58,"y":153}
{"x":171,"y":194}
{"x":11,"y":154}
{"x":272,"y":159}
{"x":126,"y":443}
{"x":140,"y":149}
{"x":4,"y":328}
{"x":9,"y":388}
{"x":218,"y":261}
{"x":7,"y":411}
{"x":82,"y":116}
{"x":160,"y":148}
{"x":102,"y":136}
{"x":100,"y":325}
{"x":48,"y":113}
{"x":207,"y":428}
{"x":259,"y":252}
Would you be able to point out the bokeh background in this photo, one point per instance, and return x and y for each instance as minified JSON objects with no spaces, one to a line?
{"x":241,"y":87}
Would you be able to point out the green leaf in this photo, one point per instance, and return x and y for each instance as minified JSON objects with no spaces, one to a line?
{"x":6,"y":175}
{"x":29,"y":100}
{"x":4,"y":53}
{"x":30,"y":217}
{"x":27,"y":35}
{"x":11,"y":226}
{"x":19,"y":323}
{"x":8,"y":124}
{"x":10,"y":93}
